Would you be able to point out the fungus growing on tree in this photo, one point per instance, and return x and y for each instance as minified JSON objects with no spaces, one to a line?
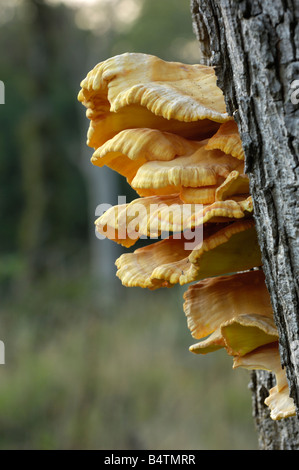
{"x":167,"y":262}
{"x":267,"y":358}
{"x":164,"y":127}
{"x":135,"y":90}
{"x":228,"y":140}
{"x":201,"y":168}
{"x":222,"y":314}
{"x":153,"y":215}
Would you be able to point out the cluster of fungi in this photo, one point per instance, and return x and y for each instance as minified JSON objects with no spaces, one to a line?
{"x":164,"y":127}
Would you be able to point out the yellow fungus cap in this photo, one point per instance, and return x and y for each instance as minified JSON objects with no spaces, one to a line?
{"x":239,"y":335}
{"x":228,"y":140}
{"x":139,"y":90}
{"x":151,"y":216}
{"x":128,"y":150}
{"x":268,"y":358}
{"x":201,"y":168}
{"x":224,"y":249}
{"x":231,"y":187}
{"x":235,"y":184}
{"x":200,"y":195}
{"x":213,"y":301}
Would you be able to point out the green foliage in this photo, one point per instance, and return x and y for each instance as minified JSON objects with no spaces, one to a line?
{"x":163,"y":26}
{"x":43,"y":191}
{"x":81,"y":375}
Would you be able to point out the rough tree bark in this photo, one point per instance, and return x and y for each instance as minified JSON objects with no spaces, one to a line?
{"x":254,"y":46}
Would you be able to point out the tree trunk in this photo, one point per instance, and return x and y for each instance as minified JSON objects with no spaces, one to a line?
{"x":103,"y":186}
{"x":254,"y":46}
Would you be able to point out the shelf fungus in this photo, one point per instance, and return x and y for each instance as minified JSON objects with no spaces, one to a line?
{"x":128,"y":150}
{"x":228,"y":140}
{"x":164,"y":127}
{"x":221,"y":314}
{"x":220,"y":311}
{"x":267,"y":358}
{"x":139,"y":90}
{"x":168,"y":262}
{"x":201,"y":168}
{"x":154,"y":216}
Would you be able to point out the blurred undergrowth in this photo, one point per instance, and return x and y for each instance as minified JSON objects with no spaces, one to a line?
{"x":86,"y":374}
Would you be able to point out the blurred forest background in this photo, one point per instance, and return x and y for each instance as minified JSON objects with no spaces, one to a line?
{"x":90,"y":364}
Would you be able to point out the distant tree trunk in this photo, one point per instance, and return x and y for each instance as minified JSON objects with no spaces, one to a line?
{"x":103,"y":188}
{"x":34,"y":132}
{"x":254,"y":46}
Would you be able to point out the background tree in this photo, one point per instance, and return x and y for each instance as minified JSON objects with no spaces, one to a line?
{"x":254,"y":47}
{"x":42,"y":187}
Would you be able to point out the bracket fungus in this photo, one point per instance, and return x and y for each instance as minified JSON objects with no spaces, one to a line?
{"x":152,"y":216}
{"x":267,"y":358}
{"x":139,"y":90}
{"x":222,"y":305}
{"x":167,"y":262}
{"x":164,"y":127}
{"x":228,"y":140}
{"x":201,"y":168}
